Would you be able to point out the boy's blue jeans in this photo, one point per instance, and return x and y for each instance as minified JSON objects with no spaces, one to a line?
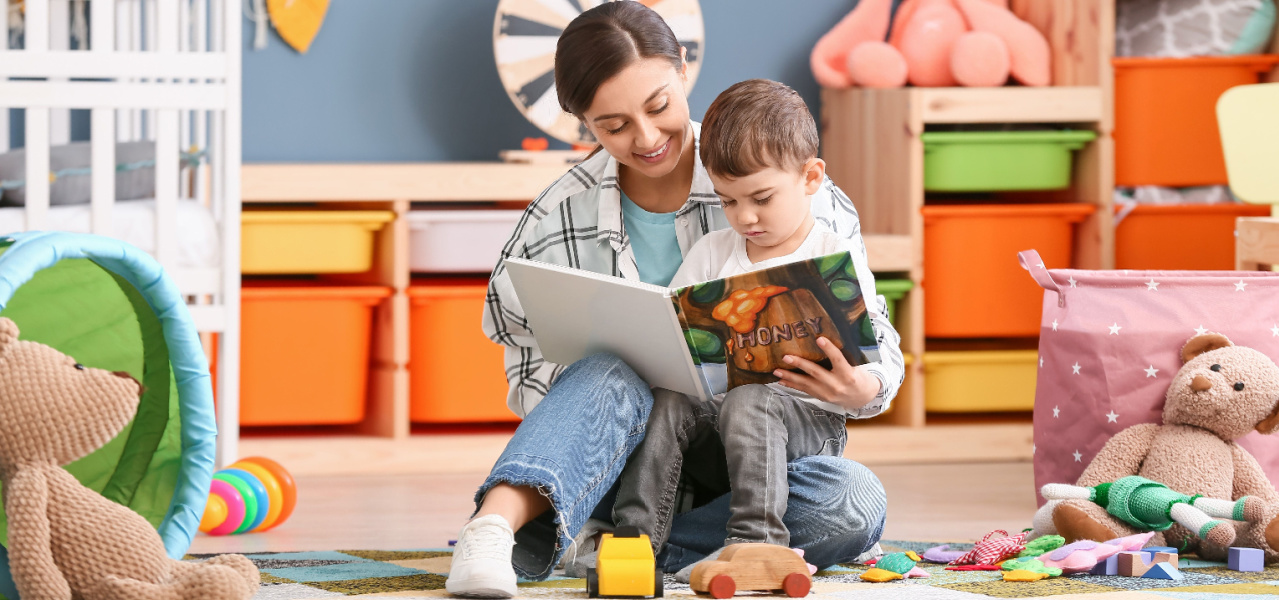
{"x":573,"y":445}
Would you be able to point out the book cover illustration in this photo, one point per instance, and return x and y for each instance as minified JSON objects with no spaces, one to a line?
{"x":739,"y":328}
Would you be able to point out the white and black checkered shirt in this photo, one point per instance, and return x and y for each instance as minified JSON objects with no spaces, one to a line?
{"x":577,"y":222}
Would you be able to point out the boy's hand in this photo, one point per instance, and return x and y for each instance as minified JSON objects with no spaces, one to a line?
{"x":842,"y":384}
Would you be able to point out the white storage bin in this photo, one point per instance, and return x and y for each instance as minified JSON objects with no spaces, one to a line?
{"x":458,"y":241}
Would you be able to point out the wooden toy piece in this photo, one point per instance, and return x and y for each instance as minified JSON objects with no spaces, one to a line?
{"x":1158,"y":549}
{"x":765,"y":567}
{"x":1249,"y":560}
{"x":625,"y":567}
{"x":1110,"y":566}
{"x":1165,"y":557}
{"x":1133,"y":564}
{"x":1162,"y":570}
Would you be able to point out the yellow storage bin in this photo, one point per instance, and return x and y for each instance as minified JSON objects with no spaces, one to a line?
{"x":980,"y":380}
{"x":309,"y":241}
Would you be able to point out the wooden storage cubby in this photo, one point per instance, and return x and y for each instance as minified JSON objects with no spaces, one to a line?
{"x":872,"y":147}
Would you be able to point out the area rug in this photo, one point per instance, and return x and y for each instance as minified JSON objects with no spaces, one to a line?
{"x":421,"y":574}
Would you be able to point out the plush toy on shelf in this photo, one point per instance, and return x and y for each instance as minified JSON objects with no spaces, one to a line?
{"x":1221,"y":393}
{"x":933,"y":43}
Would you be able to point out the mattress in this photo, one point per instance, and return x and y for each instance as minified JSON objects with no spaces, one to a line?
{"x":133,"y":221}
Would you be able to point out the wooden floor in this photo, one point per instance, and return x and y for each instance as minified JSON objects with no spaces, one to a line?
{"x":956,"y":501}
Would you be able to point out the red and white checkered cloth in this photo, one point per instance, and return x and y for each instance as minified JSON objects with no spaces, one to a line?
{"x":989,"y":552}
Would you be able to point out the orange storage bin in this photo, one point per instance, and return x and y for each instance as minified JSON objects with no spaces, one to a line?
{"x":305,"y":352}
{"x":973,"y":286}
{"x":1166,"y":116}
{"x":1180,"y":236}
{"x":456,"y":374}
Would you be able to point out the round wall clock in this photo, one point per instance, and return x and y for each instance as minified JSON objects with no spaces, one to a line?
{"x":524,"y":36}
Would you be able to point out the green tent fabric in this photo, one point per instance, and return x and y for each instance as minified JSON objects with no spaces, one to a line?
{"x":110,"y":306}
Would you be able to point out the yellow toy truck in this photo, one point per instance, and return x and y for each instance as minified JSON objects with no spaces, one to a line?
{"x":625,"y":568}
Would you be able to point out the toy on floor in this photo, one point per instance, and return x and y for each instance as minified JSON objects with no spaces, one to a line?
{"x":1042,"y":545}
{"x":626,"y":567}
{"x":1079,"y":556}
{"x":933,"y":43}
{"x":1135,"y":564}
{"x":161,"y":465}
{"x":1132,"y":543}
{"x":1149,"y":505}
{"x":747,"y":567}
{"x":1032,"y":565}
{"x":252,"y":495}
{"x":898,"y":565}
{"x":989,"y":551}
{"x":1248,"y":560}
{"x":66,"y":540}
{"x":942,"y":554}
{"x":1221,"y":393}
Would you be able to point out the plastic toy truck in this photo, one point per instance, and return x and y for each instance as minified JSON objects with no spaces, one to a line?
{"x":752,"y":567}
{"x":625,"y":567}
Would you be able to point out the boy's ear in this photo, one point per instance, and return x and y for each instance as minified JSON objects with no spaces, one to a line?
{"x":814,"y":175}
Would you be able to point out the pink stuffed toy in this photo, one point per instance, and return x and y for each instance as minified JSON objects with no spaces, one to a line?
{"x":933,"y":43}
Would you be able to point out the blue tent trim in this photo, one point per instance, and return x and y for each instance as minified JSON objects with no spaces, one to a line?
{"x":33,"y":251}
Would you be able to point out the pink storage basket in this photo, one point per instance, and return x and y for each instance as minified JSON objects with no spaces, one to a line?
{"x":1109,"y":344}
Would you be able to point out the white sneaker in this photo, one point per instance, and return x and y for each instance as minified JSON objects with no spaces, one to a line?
{"x":482,"y":560}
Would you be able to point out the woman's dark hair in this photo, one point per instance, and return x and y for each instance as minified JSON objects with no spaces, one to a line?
{"x":601,"y":42}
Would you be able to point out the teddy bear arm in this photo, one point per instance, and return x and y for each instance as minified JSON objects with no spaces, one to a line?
{"x":1121,"y":456}
{"x":1250,"y":480}
{"x":35,"y":573}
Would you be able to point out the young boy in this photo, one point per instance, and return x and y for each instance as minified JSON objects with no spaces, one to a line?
{"x":759,"y":145}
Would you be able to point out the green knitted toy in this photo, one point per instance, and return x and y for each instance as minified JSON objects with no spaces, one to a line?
{"x":1152,"y":506}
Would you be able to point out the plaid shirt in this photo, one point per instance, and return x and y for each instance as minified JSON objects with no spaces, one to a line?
{"x":577,"y":222}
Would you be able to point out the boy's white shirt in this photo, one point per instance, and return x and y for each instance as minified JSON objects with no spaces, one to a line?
{"x":722,"y":253}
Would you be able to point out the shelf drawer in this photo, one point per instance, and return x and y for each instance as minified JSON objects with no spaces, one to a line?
{"x":1159,"y":236}
{"x":980,"y":380}
{"x":458,"y":241}
{"x":280,"y":242}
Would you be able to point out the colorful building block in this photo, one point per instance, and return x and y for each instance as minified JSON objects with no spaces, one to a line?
{"x":1162,"y":570}
{"x":1154,"y":549}
{"x":1110,"y":566}
{"x":1245,"y":559}
{"x":1133,"y":564}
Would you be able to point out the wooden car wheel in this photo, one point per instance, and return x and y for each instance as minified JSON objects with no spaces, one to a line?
{"x":722,"y":586}
{"x":796,"y":585}
{"x":592,"y":583}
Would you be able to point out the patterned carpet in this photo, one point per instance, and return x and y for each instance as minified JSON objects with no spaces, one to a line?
{"x":421,"y":574}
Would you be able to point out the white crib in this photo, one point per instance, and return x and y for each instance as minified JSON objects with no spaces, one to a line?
{"x":165,"y":71}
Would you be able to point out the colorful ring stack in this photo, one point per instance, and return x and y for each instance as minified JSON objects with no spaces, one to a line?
{"x":252,"y":495}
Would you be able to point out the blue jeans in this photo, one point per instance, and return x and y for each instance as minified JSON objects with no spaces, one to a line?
{"x":572,"y":448}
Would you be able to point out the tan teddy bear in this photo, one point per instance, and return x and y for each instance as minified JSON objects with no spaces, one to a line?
{"x":65,"y":540}
{"x":1221,"y":393}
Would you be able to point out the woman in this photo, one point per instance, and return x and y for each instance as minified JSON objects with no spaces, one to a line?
{"x":631,"y":210}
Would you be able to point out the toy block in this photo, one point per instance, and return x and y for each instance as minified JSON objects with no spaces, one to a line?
{"x":1133,"y":564}
{"x":1248,"y":560}
{"x":1162,"y":570}
{"x":1165,"y":557}
{"x":1110,"y":566}
{"x":1155,"y":549}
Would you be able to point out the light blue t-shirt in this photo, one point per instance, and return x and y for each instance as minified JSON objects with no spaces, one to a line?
{"x":653,"y":240}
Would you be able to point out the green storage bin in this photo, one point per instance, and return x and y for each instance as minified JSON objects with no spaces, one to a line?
{"x":987,"y":161}
{"x":892,"y":290}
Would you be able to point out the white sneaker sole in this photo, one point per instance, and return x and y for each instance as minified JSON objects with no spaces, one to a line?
{"x":477,"y":589}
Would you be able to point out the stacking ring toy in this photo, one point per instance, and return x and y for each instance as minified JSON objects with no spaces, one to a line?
{"x":254,"y":494}
{"x":234,"y":507}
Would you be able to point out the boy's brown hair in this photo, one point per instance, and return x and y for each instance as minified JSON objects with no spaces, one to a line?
{"x":754,"y":125}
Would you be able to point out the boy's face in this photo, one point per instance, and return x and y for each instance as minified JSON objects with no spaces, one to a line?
{"x":770,"y":207}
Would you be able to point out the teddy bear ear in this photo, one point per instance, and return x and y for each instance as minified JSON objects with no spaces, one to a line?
{"x":1206,"y":342}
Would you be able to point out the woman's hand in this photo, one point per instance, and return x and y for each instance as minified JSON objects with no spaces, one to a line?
{"x":842,"y":384}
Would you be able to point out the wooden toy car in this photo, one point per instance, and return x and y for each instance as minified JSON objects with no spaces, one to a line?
{"x":752,"y":567}
{"x":625,"y":567}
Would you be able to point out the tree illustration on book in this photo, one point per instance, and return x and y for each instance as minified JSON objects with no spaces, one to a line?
{"x":743,"y":325}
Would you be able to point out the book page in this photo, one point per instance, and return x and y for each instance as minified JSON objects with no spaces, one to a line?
{"x":739,"y":328}
{"x":575,"y":313}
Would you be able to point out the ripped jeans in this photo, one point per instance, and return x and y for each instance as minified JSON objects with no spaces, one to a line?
{"x":573,"y":447}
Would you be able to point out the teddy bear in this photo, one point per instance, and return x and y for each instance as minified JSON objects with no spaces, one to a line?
{"x":1221,"y":393}
{"x":65,"y":540}
{"x":933,"y":43}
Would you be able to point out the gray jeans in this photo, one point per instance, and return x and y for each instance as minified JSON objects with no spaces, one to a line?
{"x":762,"y":430}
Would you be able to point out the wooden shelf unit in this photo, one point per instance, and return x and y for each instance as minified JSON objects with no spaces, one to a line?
{"x":872,"y":147}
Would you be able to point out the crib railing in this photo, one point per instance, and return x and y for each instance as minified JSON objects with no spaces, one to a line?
{"x":164,"y":71}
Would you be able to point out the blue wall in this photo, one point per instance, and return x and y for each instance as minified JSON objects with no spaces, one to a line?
{"x":414,"y":80}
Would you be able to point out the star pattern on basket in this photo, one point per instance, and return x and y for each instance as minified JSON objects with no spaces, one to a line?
{"x":990,"y":551}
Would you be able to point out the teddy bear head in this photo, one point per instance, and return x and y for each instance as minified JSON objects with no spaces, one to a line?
{"x":1227,"y":389}
{"x":54,"y":409}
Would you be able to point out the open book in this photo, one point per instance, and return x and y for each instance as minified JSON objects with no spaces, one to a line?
{"x":704,"y":339}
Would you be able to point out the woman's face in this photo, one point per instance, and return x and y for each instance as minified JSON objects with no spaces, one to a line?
{"x":640,"y":116}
